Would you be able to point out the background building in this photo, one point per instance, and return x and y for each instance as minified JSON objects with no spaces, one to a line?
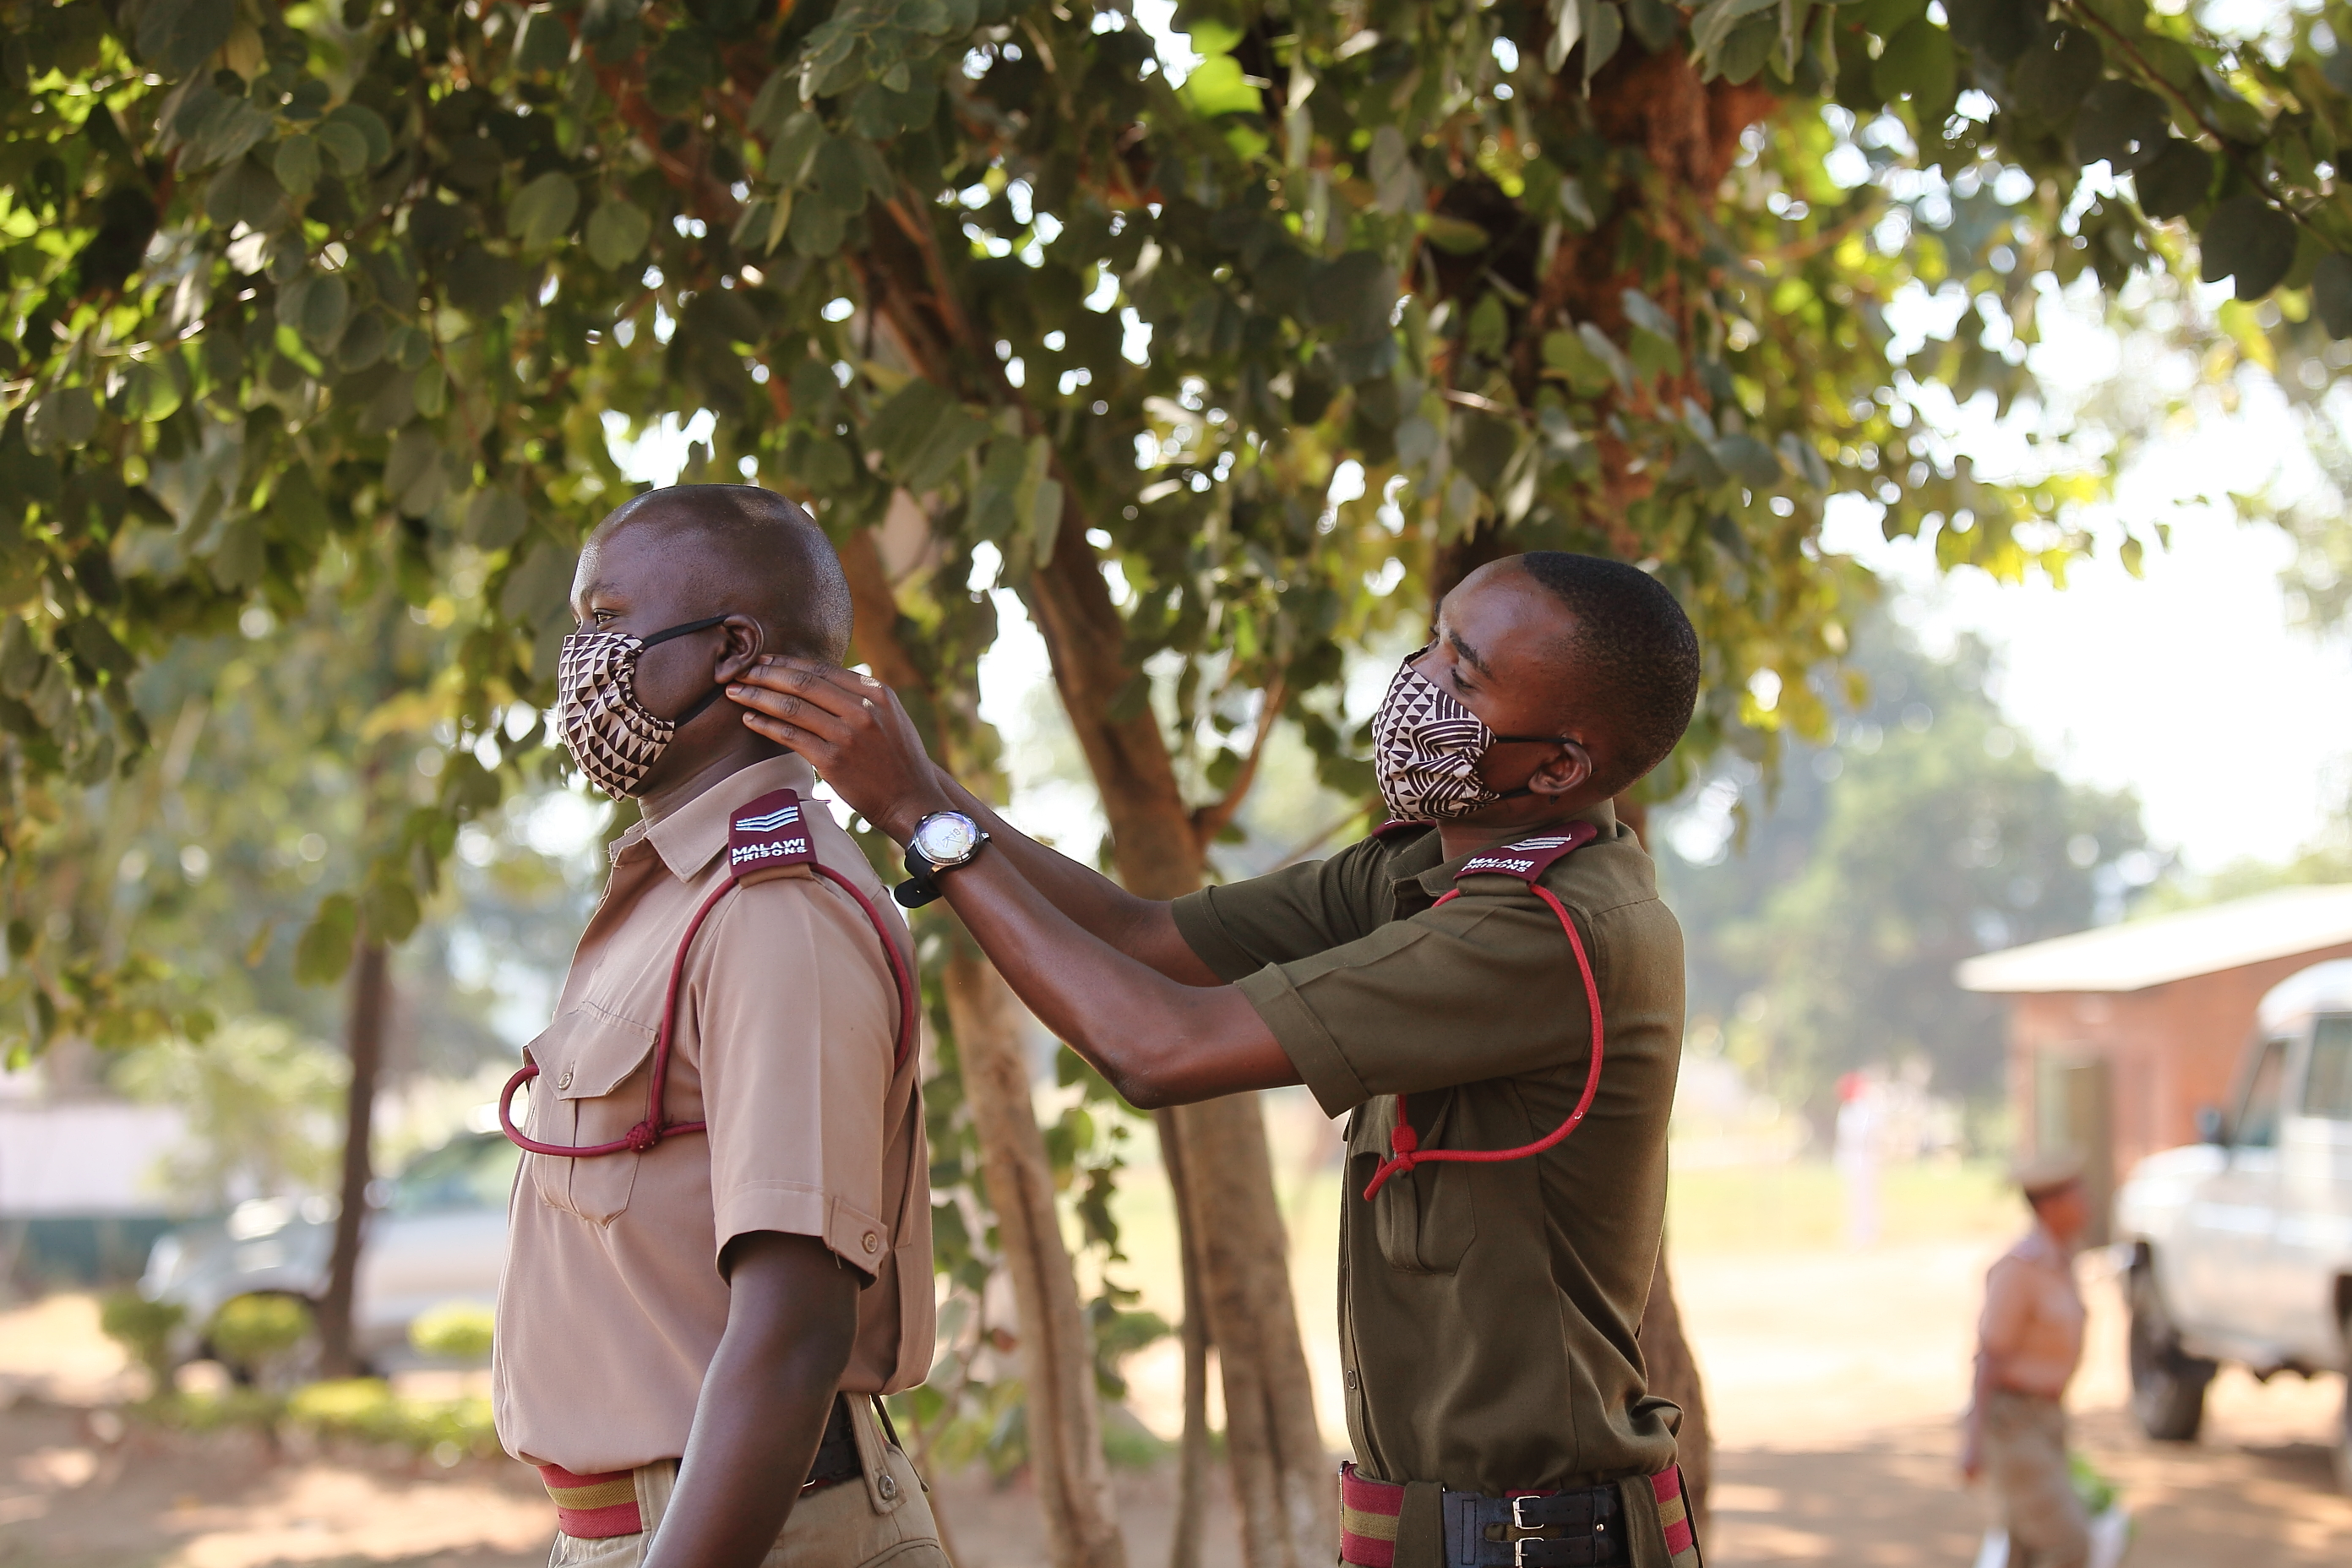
{"x":2117,"y":1036}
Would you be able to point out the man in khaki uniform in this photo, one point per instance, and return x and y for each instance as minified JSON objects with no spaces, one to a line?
{"x":1450,"y":984}
{"x":2029,"y":1342}
{"x":699,"y":1305}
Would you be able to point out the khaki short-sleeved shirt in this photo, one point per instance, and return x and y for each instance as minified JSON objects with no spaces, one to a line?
{"x":1487,"y":1312}
{"x":611,"y":1303}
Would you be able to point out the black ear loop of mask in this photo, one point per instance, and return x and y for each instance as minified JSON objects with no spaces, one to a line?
{"x":718,"y":688}
{"x":1529,"y":787}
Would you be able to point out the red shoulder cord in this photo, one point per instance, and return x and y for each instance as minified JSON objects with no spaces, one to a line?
{"x":653,"y":1128}
{"x":1406,"y":1142}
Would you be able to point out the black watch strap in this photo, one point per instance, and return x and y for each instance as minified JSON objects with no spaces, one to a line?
{"x":922,"y":884}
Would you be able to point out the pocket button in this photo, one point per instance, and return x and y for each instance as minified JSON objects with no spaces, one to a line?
{"x":888,"y":1485}
{"x":871,"y":1242}
{"x":565,"y":1081}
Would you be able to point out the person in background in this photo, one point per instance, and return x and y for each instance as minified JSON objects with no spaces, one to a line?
{"x":2029,"y":1342}
{"x":1858,"y":1137}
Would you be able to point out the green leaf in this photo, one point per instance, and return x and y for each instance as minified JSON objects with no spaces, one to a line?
{"x":1567,"y":28}
{"x":542,"y":212}
{"x":1218,"y":87}
{"x":374,"y":135}
{"x":1918,"y":63}
{"x":2053,"y":77}
{"x":1713,"y":22}
{"x":346,"y":145}
{"x":244,"y":192}
{"x":545,"y":44}
{"x":316,"y":306}
{"x":1456,"y":236}
{"x":2176,"y":181}
{"x":325,"y":950}
{"x":793,"y":152}
{"x":496,"y":518}
{"x":2123,"y":124}
{"x":900,"y":426}
{"x":817,"y":225}
{"x":2331,"y":293}
{"x":151,"y":392}
{"x":1604,"y":32}
{"x":539,"y":590}
{"x":1999,"y":30}
{"x":181,"y":34}
{"x":430,"y":391}
{"x":389,"y":906}
{"x":2250,"y":242}
{"x":297,"y":163}
{"x":414,"y":477}
{"x":617,"y":232}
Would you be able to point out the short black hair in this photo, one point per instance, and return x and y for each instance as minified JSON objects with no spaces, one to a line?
{"x":1637,"y":649}
{"x":778,"y":563}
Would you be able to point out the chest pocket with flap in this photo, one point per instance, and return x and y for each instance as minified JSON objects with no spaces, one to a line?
{"x":1423,"y":1218}
{"x":591,"y":1090}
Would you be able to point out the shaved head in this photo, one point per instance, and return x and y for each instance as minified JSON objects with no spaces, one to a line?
{"x":742,"y":550}
{"x":1628,"y":659}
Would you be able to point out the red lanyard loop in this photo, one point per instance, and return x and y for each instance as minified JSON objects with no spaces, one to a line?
{"x":763,"y":834}
{"x":1522,"y":861}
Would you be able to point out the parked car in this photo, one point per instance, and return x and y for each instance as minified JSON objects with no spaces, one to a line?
{"x":2242,"y":1243}
{"x":435,"y":1233}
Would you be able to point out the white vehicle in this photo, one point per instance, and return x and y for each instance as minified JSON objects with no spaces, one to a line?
{"x":437,"y":1234}
{"x":2241,"y":1243}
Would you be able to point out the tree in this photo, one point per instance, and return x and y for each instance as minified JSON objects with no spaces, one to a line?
{"x":1823,"y":936}
{"x":1602,"y":275}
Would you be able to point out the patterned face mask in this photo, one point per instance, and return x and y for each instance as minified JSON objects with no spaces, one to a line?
{"x":1426,"y":748}
{"x":614,"y":738}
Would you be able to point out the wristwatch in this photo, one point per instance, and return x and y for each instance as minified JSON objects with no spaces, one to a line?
{"x":942,"y":841}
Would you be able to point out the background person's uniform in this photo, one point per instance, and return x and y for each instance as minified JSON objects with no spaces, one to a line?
{"x":612,"y":1303}
{"x":1487,"y":1312}
{"x":2023,"y":1431}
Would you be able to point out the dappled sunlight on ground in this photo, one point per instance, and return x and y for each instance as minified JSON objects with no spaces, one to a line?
{"x":1835,"y":1379}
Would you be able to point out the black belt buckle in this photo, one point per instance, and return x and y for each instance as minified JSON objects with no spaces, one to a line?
{"x":1476,"y":1529}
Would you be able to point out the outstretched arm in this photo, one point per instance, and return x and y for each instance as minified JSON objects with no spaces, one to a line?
{"x":1092,"y":979}
{"x":792,"y":1317}
{"x":1141,"y":927}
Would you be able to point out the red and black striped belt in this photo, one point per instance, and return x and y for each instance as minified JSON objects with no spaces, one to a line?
{"x":591,"y":1508}
{"x":1583,"y":1527}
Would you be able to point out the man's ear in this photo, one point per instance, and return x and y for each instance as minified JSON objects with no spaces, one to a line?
{"x":1565,"y":772}
{"x":746,"y":640}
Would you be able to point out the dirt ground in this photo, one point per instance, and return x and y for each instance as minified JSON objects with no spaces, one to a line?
{"x":1834,"y":1379}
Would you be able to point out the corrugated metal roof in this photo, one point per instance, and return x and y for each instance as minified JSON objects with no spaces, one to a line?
{"x":2140,"y":954}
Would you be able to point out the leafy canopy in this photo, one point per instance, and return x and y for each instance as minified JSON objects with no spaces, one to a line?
{"x":1378,"y":289}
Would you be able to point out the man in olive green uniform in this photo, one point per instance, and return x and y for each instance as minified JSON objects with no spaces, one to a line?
{"x":1488,"y":985}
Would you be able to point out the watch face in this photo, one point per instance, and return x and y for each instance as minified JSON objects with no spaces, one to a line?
{"x":946,"y":838}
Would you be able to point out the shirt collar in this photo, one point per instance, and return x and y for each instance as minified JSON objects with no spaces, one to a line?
{"x":690,"y":837}
{"x":1436,"y":877}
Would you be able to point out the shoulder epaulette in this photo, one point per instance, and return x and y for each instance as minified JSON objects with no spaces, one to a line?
{"x":1528,"y":859}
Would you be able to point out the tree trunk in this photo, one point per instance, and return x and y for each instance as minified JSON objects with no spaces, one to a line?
{"x":1192,"y":1456}
{"x":1674,"y":1374}
{"x":1665,"y":1349}
{"x":1283,"y":1488}
{"x":371,"y":1007}
{"x":1064,"y":1413}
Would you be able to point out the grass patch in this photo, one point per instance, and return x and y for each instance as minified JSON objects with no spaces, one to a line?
{"x":1802,"y":1207}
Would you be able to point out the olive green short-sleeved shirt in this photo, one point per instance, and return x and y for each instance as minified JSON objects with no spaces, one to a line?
{"x":1487,"y":1311}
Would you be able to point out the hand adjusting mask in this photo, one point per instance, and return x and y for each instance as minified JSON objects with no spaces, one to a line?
{"x":1426,"y":747}
{"x":614,"y":737}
